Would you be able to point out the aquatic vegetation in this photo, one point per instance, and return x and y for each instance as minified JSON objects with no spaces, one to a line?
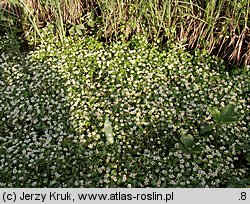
{"x":128,"y":114}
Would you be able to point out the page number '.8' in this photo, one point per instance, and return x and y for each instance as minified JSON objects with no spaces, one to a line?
{"x":243,"y":196}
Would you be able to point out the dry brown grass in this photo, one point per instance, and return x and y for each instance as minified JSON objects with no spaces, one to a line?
{"x":220,"y":27}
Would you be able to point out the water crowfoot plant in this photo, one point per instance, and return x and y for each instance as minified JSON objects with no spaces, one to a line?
{"x":53,"y":101}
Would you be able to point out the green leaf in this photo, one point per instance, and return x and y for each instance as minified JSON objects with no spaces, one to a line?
{"x":3,"y":18}
{"x":79,"y":31}
{"x":207,"y":128}
{"x":13,"y":1}
{"x":226,"y":114}
{"x":72,"y":30}
{"x":65,"y":142}
{"x":187,"y":140}
{"x":182,"y":148}
{"x":80,"y":27}
{"x":248,"y":157}
{"x":91,"y":23}
{"x":215,"y":113}
{"x":227,"y":111}
{"x":230,"y":120}
{"x":154,"y":182}
{"x":197,"y":149}
{"x":108,"y":131}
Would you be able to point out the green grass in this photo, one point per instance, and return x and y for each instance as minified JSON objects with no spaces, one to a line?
{"x":60,"y":103}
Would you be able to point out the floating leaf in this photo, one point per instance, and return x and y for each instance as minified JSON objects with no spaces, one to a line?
{"x":187,"y":140}
{"x":65,"y":142}
{"x":108,"y":131}
{"x":182,"y":148}
{"x":197,"y":149}
{"x":207,"y":128}
{"x":248,"y":157}
{"x":230,"y":120}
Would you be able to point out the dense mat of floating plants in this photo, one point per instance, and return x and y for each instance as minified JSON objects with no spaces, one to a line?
{"x":124,"y":115}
